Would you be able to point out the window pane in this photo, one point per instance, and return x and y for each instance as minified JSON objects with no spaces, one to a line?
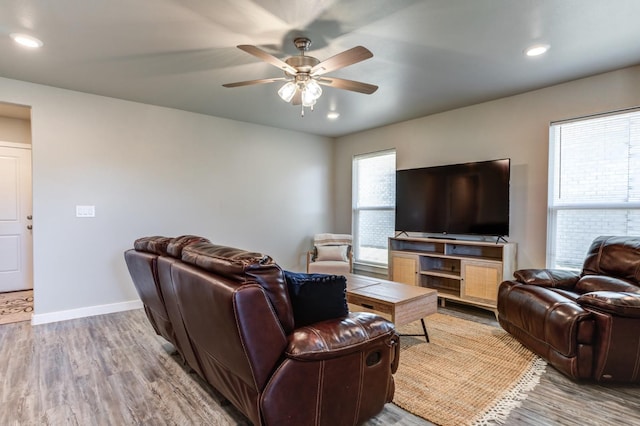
{"x":376,"y":181}
{"x":595,"y":161}
{"x":374,"y":197}
{"x":576,"y":229}
{"x":374,"y":229}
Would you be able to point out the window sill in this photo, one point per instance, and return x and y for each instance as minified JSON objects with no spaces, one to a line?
{"x":380,"y":271}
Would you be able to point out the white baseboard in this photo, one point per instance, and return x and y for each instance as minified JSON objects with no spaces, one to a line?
{"x":85,"y":312}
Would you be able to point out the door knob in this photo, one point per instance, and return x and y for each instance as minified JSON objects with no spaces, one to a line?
{"x":29,"y":217}
{"x":29,"y":227}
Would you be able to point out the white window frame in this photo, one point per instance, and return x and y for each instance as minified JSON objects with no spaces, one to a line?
{"x":553,"y":185}
{"x":357,"y":209}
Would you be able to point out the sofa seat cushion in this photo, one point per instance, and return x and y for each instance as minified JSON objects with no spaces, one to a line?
{"x":616,"y":303}
{"x":590,"y":283}
{"x":316,"y":297}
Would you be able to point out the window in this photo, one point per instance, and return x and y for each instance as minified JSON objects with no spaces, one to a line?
{"x":594,"y":184}
{"x":374,"y":198}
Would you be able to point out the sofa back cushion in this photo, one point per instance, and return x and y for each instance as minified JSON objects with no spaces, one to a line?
{"x":177,"y":244}
{"x":233,"y":331}
{"x":245,"y":267}
{"x":614,"y":256}
{"x":155,"y":244}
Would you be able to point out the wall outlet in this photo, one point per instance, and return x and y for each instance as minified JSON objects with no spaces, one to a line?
{"x":85,"y":211}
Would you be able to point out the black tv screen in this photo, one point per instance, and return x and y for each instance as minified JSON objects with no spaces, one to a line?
{"x":471,"y":198}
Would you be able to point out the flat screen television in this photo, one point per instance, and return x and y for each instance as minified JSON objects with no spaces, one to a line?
{"x":464,"y":199}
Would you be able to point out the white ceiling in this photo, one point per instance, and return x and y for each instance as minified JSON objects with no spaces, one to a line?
{"x":429,"y":55}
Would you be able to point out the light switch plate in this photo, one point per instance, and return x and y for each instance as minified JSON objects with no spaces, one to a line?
{"x":85,"y":211}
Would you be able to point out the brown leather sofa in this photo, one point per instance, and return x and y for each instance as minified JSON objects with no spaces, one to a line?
{"x":587,"y":325}
{"x":229,"y":314}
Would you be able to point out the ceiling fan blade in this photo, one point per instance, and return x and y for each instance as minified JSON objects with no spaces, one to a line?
{"x":354,"y":86}
{"x":341,"y":60}
{"x":250,"y":82}
{"x":261,"y":54}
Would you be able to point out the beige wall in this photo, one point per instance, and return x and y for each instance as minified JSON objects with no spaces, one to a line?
{"x":156,"y":171}
{"x":515,"y":127}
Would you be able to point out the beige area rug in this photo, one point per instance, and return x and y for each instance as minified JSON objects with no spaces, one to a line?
{"x":470,"y":373}
{"x":16,"y":306}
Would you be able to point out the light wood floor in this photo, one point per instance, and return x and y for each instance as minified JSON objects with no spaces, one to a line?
{"x":113,"y":370}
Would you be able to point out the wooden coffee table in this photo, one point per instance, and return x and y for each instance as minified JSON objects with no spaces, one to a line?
{"x":404,"y":303}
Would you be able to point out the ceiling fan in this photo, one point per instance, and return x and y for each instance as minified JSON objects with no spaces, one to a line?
{"x":304,"y":74}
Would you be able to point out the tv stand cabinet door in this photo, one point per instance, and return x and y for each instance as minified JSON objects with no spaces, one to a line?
{"x":404,"y":268}
{"x":480,"y":281}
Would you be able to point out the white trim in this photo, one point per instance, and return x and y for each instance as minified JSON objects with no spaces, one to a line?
{"x":374,"y":154}
{"x":15,"y":145}
{"x":370,"y":268}
{"x":85,"y":312}
{"x":597,"y":206}
{"x":597,"y":115}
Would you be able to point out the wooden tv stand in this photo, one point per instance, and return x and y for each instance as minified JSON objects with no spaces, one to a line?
{"x":460,"y":270}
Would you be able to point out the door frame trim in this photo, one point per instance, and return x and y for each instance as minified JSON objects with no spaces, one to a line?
{"x":16,"y":145}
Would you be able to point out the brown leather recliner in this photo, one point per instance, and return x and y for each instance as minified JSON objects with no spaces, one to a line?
{"x":231,"y":319}
{"x":587,"y":325}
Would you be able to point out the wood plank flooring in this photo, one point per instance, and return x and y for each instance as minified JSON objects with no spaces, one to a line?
{"x":113,"y":370}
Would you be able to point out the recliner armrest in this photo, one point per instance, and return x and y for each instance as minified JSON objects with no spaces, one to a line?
{"x":622,"y":304}
{"x":338,"y":337}
{"x":555,"y":278}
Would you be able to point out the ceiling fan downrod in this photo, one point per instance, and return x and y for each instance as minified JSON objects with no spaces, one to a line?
{"x":302,"y":44}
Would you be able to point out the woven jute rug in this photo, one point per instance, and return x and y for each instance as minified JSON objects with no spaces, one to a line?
{"x":470,"y":373}
{"x":16,"y":306}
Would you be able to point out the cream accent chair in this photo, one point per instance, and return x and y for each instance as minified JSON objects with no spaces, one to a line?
{"x":331,"y":254}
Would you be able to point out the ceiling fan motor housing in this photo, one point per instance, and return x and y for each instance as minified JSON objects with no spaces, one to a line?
{"x":302,"y":63}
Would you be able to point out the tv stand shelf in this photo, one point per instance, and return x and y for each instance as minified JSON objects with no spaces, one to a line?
{"x":463,"y":271}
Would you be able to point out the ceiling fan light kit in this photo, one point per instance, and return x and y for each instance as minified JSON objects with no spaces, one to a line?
{"x":287,"y":91}
{"x":303,"y":74}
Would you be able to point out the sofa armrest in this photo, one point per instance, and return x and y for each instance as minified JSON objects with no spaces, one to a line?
{"x":338,"y":337}
{"x":621,"y":304}
{"x":556,"y":278}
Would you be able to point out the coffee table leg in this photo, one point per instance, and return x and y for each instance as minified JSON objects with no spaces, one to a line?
{"x":424,"y":328}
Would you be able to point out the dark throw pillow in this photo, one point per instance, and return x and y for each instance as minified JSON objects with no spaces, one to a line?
{"x":316,"y":297}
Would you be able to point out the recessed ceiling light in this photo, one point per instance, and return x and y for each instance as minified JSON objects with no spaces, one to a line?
{"x":333,"y":115}
{"x":26,"y":40}
{"x":537,"y":50}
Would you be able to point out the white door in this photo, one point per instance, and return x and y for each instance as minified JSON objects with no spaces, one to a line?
{"x":16,"y":239}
